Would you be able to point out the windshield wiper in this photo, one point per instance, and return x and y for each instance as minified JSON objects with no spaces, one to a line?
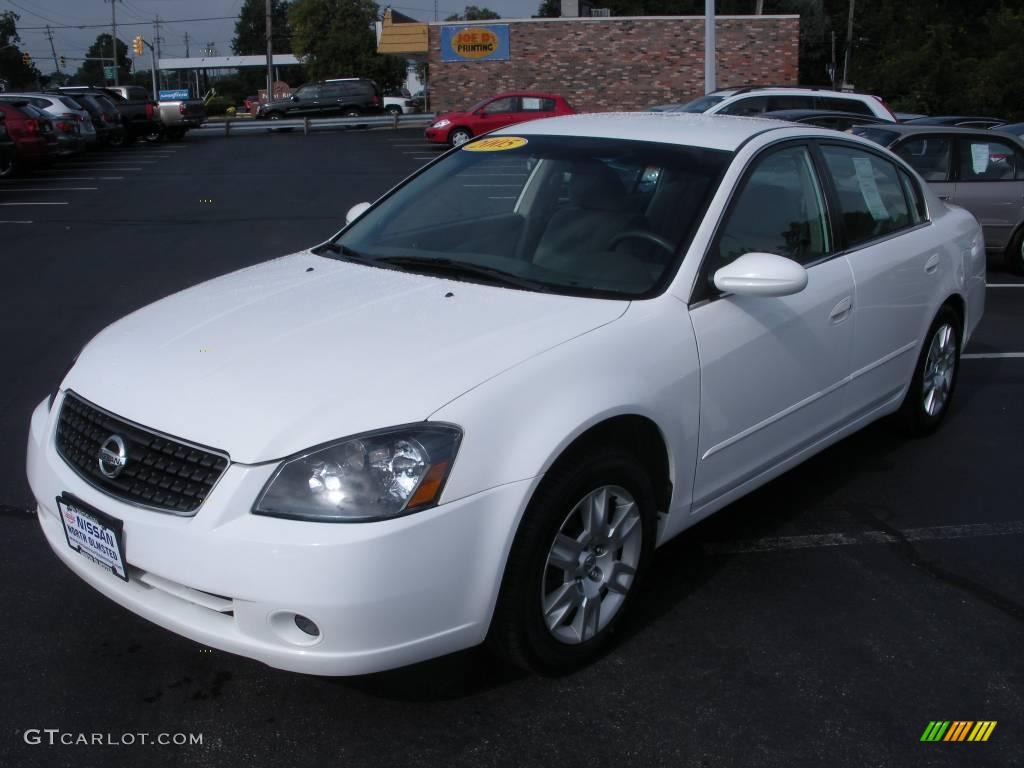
{"x":443,"y":266}
{"x":354,"y":256}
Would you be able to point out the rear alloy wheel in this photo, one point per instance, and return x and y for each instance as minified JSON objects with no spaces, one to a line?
{"x":274,"y":116}
{"x":393,"y":110}
{"x":459,"y":136}
{"x":931,"y":390}
{"x":154,"y":136}
{"x":118,"y":139}
{"x":351,"y":113}
{"x":580,"y":552}
{"x":8,"y":167}
{"x":1015,"y":254}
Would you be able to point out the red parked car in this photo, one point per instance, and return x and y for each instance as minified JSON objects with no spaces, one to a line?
{"x":32,"y":131}
{"x":457,"y":128}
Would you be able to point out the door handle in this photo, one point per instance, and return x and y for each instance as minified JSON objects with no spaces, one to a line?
{"x":841,"y":310}
{"x":932,"y":265}
{"x":943,"y":197}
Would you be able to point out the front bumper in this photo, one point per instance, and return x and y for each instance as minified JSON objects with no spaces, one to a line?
{"x":437,"y":135}
{"x":383,"y":594}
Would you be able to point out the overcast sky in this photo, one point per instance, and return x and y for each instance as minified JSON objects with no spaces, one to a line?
{"x":137,"y":16}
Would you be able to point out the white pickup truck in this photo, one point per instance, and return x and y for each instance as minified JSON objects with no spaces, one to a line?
{"x":178,"y":113}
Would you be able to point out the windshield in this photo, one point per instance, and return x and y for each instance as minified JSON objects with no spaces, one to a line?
{"x":581,"y":216}
{"x":703,"y":104}
{"x":877,"y":135}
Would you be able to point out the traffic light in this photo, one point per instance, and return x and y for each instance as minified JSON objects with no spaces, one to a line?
{"x":62,"y":65}
{"x":26,"y":59}
{"x":137,"y":45}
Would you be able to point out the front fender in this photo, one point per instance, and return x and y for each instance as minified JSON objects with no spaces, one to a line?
{"x":517,"y":424}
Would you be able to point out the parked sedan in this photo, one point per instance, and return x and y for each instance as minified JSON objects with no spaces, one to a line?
{"x":564,"y":344}
{"x":32,"y":132}
{"x":456,"y":128}
{"x":65,"y":108}
{"x":1017,"y":129}
{"x":981,"y":170}
{"x":8,"y":150}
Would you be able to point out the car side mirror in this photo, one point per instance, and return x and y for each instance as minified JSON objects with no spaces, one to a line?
{"x":355,"y":212}
{"x":293,"y":97}
{"x":761,"y":274}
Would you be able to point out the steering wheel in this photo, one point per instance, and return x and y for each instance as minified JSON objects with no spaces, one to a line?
{"x":642,"y":234}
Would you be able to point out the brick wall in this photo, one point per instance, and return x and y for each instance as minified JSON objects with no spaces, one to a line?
{"x":620,"y":63}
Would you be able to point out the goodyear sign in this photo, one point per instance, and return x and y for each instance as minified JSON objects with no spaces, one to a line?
{"x":475,"y":42}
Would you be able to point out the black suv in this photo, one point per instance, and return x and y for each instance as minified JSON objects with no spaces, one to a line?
{"x":349,"y":97}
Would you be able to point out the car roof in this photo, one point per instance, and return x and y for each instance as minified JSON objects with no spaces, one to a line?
{"x":543,"y":94}
{"x":787,"y":89}
{"x":683,"y":128}
{"x":942,"y":119}
{"x":908,"y":129}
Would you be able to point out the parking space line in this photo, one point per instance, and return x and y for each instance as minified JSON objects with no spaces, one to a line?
{"x":33,"y":203}
{"x":818,"y":541}
{"x":12,"y":221}
{"x":90,"y":168}
{"x":58,"y":178}
{"x":50,"y":189}
{"x":991,"y":355}
{"x":1004,"y":285}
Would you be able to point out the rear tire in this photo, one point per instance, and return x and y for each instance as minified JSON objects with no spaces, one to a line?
{"x":931,"y":390}
{"x":9,"y":167}
{"x":393,"y":110}
{"x":350,"y":112}
{"x":579,"y":556}
{"x":1015,"y":253}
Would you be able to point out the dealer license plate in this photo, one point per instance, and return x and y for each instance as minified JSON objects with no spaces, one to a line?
{"x":93,"y":534}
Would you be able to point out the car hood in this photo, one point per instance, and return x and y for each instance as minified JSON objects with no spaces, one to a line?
{"x":273,"y":359}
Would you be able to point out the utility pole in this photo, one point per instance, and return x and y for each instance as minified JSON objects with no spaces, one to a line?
{"x":187,"y":54}
{"x":709,"y":46}
{"x":156,"y":50}
{"x":53,"y":50}
{"x":270,"y":54}
{"x":849,"y":45}
{"x":113,"y":35}
{"x":832,"y":74}
{"x":760,"y":8}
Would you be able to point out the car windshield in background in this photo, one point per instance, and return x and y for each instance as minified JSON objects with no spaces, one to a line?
{"x":703,"y":104}
{"x":580,"y":216}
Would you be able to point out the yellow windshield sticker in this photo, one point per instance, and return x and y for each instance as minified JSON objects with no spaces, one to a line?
{"x":496,"y":144}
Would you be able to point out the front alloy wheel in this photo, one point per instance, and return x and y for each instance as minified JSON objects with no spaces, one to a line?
{"x":578,"y":557}
{"x":591,"y":565}
{"x":459,"y":137}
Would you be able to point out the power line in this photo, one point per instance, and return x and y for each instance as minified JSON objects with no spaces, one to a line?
{"x":30,"y":12}
{"x":130,"y":24}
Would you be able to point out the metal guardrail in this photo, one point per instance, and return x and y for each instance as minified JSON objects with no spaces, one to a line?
{"x":308,"y":124}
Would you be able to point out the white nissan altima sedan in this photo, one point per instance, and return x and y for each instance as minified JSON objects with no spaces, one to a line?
{"x":475,"y":412}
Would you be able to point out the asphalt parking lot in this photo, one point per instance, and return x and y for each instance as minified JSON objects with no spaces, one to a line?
{"x":824,"y":620}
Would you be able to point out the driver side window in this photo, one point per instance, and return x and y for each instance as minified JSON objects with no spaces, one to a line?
{"x":501,"y":106}
{"x":779,"y":209}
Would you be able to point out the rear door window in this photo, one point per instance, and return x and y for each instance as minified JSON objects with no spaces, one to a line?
{"x":537,"y":104}
{"x":871,"y":197}
{"x":984,"y":160}
{"x":790,"y":101}
{"x":748,"y":105}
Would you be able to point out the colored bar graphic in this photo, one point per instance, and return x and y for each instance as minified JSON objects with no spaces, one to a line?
{"x":958,"y":730}
{"x":935,"y":730}
{"x":982,"y":730}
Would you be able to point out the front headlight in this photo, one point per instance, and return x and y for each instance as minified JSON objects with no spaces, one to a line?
{"x":374,"y":476}
{"x":441,"y":123}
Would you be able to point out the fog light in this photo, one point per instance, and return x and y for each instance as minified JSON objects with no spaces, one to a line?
{"x":307,"y":625}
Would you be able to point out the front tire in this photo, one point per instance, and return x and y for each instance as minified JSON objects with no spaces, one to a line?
{"x":931,"y":390}
{"x":9,"y":167}
{"x":459,"y":136}
{"x":581,"y":551}
{"x":1015,"y":254}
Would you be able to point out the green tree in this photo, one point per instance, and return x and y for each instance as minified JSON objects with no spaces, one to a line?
{"x":474,"y":13}
{"x":91,"y":72}
{"x":549,"y":9}
{"x":251,"y":28}
{"x":336,"y":39}
{"x":14,"y":73}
